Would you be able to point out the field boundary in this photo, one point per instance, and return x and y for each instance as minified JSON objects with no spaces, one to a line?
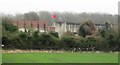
{"x":49,"y":51}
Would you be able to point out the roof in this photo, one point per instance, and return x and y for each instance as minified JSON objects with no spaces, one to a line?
{"x":32,"y":24}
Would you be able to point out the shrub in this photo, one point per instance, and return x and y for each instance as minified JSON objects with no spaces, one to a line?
{"x":67,"y":42}
{"x":55,"y":34}
{"x":48,"y":41}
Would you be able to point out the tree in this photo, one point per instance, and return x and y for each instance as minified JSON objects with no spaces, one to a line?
{"x":19,"y":17}
{"x":112,"y":41}
{"x":110,"y":36}
{"x":90,"y":43}
{"x":9,"y":26}
{"x":67,"y":42}
{"x":1,"y":29}
{"x":31,"y":16}
{"x":101,"y":44}
{"x":48,"y":41}
{"x":69,"y":33}
{"x":25,"y":41}
{"x":86,"y":28}
{"x":36,"y":40}
{"x":55,"y":34}
{"x":45,"y":16}
{"x":107,"y":26}
{"x":9,"y":34}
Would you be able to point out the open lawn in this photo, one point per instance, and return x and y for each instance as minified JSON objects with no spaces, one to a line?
{"x":66,"y":57}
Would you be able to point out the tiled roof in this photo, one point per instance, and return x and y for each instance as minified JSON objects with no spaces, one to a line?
{"x":32,"y":24}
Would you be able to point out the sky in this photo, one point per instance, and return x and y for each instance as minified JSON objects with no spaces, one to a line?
{"x":77,"y":6}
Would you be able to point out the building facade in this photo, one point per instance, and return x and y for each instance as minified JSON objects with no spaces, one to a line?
{"x":42,"y":26}
{"x":62,"y":27}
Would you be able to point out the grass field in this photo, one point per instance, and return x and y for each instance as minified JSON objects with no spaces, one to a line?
{"x":66,"y":57}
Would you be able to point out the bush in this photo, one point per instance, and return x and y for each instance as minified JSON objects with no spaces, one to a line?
{"x":89,"y":43}
{"x":55,"y":34}
{"x":67,"y":42}
{"x":9,"y":26}
{"x":48,"y":41}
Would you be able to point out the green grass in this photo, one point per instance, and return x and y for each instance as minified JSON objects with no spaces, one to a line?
{"x":66,"y":57}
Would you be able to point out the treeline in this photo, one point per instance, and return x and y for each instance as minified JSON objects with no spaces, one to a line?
{"x":103,"y":40}
{"x":66,"y":16}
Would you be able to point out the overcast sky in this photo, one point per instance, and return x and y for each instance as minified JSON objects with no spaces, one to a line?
{"x":90,"y":6}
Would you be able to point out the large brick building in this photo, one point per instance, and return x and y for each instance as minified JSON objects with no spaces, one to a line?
{"x":43,"y":26}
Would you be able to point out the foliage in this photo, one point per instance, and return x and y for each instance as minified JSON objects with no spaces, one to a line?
{"x":69,"y":33}
{"x":31,"y":16}
{"x":9,"y":34}
{"x":104,"y":40}
{"x":9,"y":26}
{"x":86,"y":28}
{"x":68,"y":17}
{"x":89,"y":42}
{"x":110,"y":38}
{"x":47,"y":40}
{"x":55,"y":34}
{"x":67,"y":42}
